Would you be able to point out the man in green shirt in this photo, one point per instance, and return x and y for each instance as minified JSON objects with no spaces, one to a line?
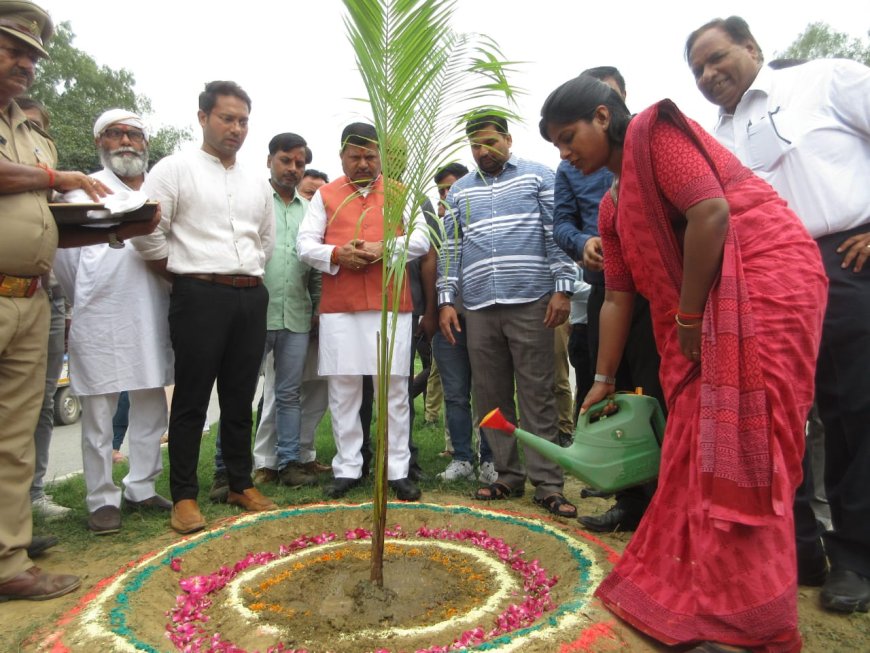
{"x":294,"y":291}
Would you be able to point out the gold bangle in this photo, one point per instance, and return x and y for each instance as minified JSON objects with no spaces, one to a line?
{"x":684,"y":325}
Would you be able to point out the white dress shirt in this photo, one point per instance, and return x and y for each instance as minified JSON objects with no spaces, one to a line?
{"x":214,"y":219}
{"x":806,"y":131}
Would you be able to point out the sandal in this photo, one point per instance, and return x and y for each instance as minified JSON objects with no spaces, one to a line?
{"x":497,"y":492}
{"x":554,"y":503}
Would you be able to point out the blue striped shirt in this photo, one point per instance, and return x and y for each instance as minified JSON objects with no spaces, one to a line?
{"x":499,"y":239}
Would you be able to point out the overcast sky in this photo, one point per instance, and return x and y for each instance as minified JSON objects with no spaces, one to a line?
{"x":294,"y":59}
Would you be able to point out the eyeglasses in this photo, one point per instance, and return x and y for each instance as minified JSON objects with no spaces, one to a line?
{"x":114,"y":134}
{"x":17,"y":53}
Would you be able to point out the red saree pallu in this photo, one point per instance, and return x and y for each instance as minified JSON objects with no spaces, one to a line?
{"x":714,"y":557}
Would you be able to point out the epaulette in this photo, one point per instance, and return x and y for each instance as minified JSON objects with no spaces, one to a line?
{"x":39,"y":130}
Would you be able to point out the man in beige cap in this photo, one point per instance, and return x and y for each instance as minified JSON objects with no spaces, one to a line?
{"x":28,"y":239}
{"x":118,"y":301}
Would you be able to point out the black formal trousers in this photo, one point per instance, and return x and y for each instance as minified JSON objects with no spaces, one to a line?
{"x":218,"y":333}
{"x":843,"y":398}
{"x":639,"y":368}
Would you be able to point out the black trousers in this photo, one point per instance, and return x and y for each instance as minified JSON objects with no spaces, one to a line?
{"x":639,"y":368}
{"x":218,"y":333}
{"x":578,"y":356}
{"x":843,"y":398}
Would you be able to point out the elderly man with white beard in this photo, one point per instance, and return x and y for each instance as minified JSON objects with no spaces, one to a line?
{"x":119,"y":339}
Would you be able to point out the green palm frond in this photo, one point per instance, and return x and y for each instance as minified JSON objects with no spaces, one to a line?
{"x":423,"y":81}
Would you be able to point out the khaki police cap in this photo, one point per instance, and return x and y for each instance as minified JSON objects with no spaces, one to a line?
{"x":26,"y":22}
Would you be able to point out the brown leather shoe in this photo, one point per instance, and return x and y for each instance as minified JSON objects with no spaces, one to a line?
{"x":316,"y":467}
{"x":105,"y":520}
{"x":37,"y":585}
{"x":251,"y":500}
{"x":265,"y":475}
{"x":186,"y":517}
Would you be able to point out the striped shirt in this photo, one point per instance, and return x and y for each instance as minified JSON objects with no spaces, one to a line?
{"x":499,"y":239}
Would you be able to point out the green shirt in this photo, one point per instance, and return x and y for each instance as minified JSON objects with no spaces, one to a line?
{"x":294,"y":288}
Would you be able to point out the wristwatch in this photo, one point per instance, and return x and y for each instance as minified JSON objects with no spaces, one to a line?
{"x":114,"y":242}
{"x":603,"y":378}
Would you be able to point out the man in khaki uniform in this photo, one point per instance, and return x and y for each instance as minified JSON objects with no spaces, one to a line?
{"x":28,"y":239}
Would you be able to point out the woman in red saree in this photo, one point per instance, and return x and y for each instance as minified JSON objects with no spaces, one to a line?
{"x":737,"y":292}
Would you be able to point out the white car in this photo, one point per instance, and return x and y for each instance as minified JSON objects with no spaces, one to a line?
{"x":67,"y":407}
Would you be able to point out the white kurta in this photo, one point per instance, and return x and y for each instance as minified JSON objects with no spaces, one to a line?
{"x":348,"y":344}
{"x":119,"y":338}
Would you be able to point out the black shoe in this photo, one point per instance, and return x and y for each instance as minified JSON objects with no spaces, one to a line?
{"x":39,"y":544}
{"x":416,"y":474}
{"x":587,"y":492}
{"x":615,"y":519}
{"x":220,"y":488}
{"x":151,"y":503}
{"x":340,"y":486}
{"x":405,"y":489}
{"x":845,"y":591}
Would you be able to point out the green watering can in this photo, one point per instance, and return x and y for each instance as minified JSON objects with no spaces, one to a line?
{"x":617,"y":442}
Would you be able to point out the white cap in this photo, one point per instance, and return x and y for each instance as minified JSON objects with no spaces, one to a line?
{"x":119,"y":117}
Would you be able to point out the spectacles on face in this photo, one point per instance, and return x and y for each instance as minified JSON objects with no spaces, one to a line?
{"x":115,"y":134}
{"x":17,"y":54}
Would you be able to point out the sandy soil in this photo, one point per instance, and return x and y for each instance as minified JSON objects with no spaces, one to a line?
{"x":28,"y":625}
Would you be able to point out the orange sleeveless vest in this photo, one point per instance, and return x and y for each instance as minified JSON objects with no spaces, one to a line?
{"x":349,"y":215}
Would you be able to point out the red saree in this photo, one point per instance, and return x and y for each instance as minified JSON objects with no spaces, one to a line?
{"x":714,"y":558}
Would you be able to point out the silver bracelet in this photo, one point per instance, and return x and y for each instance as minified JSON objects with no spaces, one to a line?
{"x":603,"y":378}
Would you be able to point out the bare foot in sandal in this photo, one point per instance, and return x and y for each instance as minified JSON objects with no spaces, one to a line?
{"x":557,"y":504}
{"x":496,"y":492}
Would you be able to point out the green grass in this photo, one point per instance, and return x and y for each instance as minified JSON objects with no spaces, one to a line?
{"x":139,"y":526}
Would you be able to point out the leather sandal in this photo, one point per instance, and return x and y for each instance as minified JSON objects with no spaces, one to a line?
{"x":497,"y":492}
{"x":553,"y":504}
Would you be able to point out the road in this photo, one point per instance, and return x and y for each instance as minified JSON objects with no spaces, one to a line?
{"x":65,"y":452}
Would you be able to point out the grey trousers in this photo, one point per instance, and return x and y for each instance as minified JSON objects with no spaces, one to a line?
{"x":45,"y":425}
{"x":511,"y":350}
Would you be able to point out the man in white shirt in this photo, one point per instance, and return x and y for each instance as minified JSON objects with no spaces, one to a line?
{"x":119,"y":338}
{"x":343,"y":236}
{"x":216,"y":233}
{"x":806,"y":130}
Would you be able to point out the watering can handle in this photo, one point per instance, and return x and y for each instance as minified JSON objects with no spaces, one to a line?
{"x":595,"y":407}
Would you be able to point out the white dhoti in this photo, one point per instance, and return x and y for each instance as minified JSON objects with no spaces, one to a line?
{"x":148,"y":420}
{"x":348,"y":350}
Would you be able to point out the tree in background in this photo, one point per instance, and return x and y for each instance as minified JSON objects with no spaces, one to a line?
{"x":76,"y":90}
{"x":819,"y":41}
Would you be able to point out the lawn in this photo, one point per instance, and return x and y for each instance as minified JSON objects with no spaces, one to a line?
{"x":140,"y":526}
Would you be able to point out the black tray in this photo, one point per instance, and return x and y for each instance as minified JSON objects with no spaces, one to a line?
{"x":86,"y":213}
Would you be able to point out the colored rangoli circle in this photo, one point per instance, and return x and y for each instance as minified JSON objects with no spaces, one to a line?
{"x":484,"y":585}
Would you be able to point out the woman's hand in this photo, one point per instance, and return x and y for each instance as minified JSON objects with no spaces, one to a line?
{"x":598,"y":392}
{"x":690,"y":340}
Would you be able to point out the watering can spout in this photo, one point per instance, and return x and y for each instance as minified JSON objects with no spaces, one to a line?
{"x":617,"y":443}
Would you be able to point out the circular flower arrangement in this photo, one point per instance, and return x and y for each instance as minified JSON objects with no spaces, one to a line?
{"x":445,"y":588}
